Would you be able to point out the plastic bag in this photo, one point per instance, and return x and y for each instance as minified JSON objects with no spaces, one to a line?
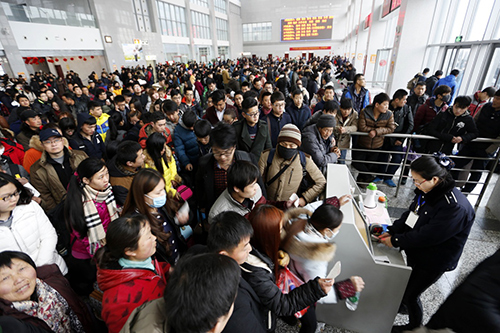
{"x":287,"y":281}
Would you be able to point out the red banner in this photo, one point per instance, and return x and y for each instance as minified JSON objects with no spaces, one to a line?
{"x":310,"y":48}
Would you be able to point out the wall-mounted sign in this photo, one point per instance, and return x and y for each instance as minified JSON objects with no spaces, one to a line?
{"x":306,"y":28}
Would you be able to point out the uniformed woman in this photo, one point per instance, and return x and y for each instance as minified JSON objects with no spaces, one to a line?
{"x":432,"y":232}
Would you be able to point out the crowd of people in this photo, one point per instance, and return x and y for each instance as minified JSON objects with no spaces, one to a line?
{"x":153,"y":190}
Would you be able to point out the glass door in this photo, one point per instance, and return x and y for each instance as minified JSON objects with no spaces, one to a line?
{"x":456,"y":58}
{"x":381,"y":68}
{"x":492,"y":78}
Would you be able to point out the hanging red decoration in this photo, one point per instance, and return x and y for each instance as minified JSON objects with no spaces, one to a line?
{"x":64,"y":59}
{"x":91,"y":57}
{"x":71,"y":58}
{"x":50,"y":60}
{"x":80,"y":57}
{"x":84,"y":59}
{"x":57,"y":59}
{"x":42,"y":60}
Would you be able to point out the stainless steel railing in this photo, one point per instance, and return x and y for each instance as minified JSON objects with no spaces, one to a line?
{"x":408,"y":139}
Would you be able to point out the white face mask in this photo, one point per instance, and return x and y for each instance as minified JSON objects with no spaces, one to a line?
{"x":331,"y":235}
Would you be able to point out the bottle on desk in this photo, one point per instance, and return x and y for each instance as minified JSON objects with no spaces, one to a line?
{"x":371,"y":194}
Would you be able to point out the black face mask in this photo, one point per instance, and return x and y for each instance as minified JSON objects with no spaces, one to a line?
{"x":287,"y":153}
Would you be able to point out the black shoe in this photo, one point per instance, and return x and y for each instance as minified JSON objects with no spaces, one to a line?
{"x":401,"y":329}
{"x":403,"y":309}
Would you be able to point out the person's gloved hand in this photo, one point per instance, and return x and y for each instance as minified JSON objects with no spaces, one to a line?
{"x":283,"y":258}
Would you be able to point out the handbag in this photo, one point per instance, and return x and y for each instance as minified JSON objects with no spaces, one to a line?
{"x":287,"y":281}
{"x":185,"y":192}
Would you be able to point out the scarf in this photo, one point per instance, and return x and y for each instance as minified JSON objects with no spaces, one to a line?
{"x":146,"y":264}
{"x":96,"y":233}
{"x":52,"y":308}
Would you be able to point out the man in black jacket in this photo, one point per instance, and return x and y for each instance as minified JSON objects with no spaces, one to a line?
{"x":86,"y":138}
{"x":431,"y":81}
{"x":488,"y":126}
{"x":417,"y":98}
{"x":230,"y":235}
{"x":453,"y":126}
{"x":253,"y":134}
{"x":211,"y":177}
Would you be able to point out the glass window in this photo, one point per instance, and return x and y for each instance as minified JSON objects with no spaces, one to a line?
{"x":481,"y":18}
{"x":203,"y":3}
{"x":220,"y":6}
{"x":457,"y":19}
{"x":221,"y":29}
{"x":430,"y":58}
{"x":201,"y":25}
{"x":172,"y":19}
{"x":257,"y":31}
{"x":492,"y":78}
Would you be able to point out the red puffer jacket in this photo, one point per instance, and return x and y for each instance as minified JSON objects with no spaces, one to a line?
{"x":126,"y":289}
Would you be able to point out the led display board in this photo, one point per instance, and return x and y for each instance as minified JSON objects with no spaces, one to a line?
{"x":306,"y":28}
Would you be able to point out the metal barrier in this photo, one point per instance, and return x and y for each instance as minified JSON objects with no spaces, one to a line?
{"x":407,"y":140}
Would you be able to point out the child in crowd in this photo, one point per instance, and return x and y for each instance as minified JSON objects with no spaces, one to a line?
{"x":202,"y":129}
{"x":230,"y":116}
{"x":102,"y":125}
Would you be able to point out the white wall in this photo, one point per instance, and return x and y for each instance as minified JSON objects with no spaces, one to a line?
{"x":273,"y":11}
{"x":36,"y":36}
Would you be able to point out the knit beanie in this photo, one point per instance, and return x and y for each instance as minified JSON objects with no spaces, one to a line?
{"x":326,"y":120}
{"x":290,"y":133}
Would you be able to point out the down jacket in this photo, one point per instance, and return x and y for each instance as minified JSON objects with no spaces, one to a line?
{"x":319,"y":149}
{"x":186,"y":145}
{"x":473,"y":305}
{"x":126,"y":288}
{"x":383,"y":125}
{"x":32,"y":233}
{"x":44,"y":178}
{"x":289,"y":181}
{"x":258,"y":272}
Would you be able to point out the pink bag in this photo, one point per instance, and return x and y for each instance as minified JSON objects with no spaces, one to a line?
{"x":287,"y":281}
{"x":185,"y":192}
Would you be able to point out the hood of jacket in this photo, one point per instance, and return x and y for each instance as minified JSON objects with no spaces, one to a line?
{"x":35,"y":143}
{"x":110,"y":278}
{"x":82,"y":117}
{"x":320,"y":251}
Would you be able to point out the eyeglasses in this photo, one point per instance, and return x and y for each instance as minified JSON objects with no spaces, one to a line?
{"x":223,"y":153}
{"x":252,"y":114}
{"x":49,"y":142}
{"x":279,"y":105}
{"x":417,"y":183}
{"x":10,"y":196}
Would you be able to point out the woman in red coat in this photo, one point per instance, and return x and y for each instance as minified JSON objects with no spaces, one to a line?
{"x":127,"y":273}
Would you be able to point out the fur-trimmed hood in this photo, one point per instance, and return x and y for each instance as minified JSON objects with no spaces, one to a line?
{"x":310,"y":250}
{"x":35,"y":143}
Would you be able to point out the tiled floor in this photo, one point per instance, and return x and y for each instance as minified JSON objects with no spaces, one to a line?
{"x":483,"y":241}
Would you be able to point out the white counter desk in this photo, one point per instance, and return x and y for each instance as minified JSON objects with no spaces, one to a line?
{"x":385,"y":282}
